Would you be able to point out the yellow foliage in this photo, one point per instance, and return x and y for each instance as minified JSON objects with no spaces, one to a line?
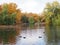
{"x":48,"y":5}
{"x":12,"y":7}
{"x":18,"y":16}
{"x":36,"y":17}
{"x":0,"y":8}
{"x":55,"y":3}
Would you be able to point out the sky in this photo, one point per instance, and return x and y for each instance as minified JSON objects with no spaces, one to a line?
{"x":35,"y":6}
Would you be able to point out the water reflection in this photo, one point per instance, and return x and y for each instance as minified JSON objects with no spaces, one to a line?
{"x":32,"y":36}
{"x":23,"y":35}
{"x":26,"y":35}
{"x":7,"y":35}
{"x":53,"y":35}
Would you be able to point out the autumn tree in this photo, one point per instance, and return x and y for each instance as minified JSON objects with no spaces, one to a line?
{"x":12,"y":7}
{"x":18,"y":16}
{"x":24,"y":19}
{"x":52,"y":12}
{"x":9,"y":14}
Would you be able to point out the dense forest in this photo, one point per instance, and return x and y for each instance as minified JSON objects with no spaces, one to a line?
{"x":11,"y":15}
{"x":52,"y":13}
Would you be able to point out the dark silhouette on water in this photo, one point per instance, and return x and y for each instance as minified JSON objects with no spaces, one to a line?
{"x":24,"y":37}
{"x":40,"y":37}
{"x":43,"y":32}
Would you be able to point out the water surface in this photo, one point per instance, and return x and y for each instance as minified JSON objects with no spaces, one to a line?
{"x":25,"y":35}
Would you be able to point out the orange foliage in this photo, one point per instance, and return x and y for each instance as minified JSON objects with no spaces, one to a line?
{"x":18,"y":16}
{"x":36,"y":17}
{"x":0,"y":8}
{"x":12,"y":7}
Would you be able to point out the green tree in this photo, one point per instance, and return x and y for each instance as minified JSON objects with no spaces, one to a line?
{"x":52,"y":10}
{"x":31,"y":22}
{"x":10,"y":19}
{"x":5,"y":17}
{"x":24,"y":19}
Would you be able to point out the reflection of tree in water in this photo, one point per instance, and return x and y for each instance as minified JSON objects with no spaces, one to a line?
{"x":51,"y":34}
{"x":54,"y":32}
{"x":58,"y":32}
{"x":7,"y":35}
{"x":18,"y":30}
{"x":10,"y":35}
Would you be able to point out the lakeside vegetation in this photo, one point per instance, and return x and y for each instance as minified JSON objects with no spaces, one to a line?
{"x":7,"y":35}
{"x":11,"y":15}
{"x":52,"y":20}
{"x":52,"y":13}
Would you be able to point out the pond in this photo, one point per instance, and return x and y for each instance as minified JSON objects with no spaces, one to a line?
{"x":25,"y":35}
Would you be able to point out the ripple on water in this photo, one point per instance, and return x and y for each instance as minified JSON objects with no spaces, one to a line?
{"x":32,"y":37}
